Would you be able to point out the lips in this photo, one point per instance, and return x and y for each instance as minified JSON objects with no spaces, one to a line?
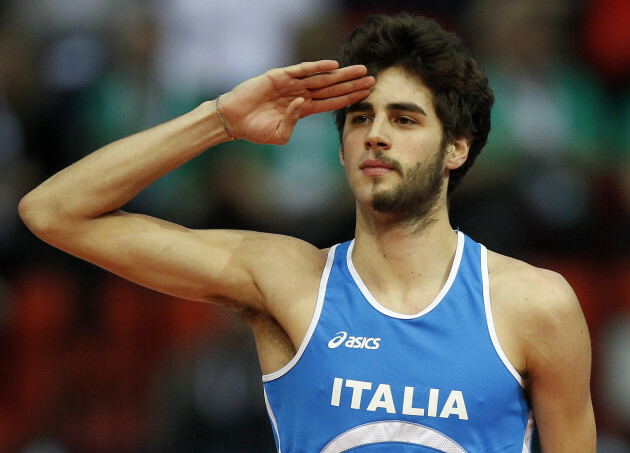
{"x":376,"y":167}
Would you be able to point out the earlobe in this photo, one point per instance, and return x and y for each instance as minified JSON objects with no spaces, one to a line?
{"x":457,"y":153}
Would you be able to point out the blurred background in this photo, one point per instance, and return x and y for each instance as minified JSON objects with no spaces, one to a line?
{"x":92,"y":363}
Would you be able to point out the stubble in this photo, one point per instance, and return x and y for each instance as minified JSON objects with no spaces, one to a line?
{"x":413,"y":201}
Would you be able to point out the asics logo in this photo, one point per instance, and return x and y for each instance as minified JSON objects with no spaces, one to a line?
{"x":353,"y":342}
{"x":339,"y":338}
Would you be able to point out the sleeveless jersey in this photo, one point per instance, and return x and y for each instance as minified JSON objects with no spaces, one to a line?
{"x":367,"y":379}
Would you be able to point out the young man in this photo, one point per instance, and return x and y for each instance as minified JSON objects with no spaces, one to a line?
{"x":411,"y":336}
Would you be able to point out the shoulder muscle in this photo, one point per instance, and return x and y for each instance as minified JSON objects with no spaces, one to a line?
{"x":543,"y":318}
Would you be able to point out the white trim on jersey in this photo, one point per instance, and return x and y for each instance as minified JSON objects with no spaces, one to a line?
{"x":529,"y":430}
{"x":311,"y":328}
{"x":392,"y":314}
{"x":273,"y":420}
{"x":393,"y":431}
{"x":493,"y":333}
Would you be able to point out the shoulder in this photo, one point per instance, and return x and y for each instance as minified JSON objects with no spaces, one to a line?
{"x":285,"y":272}
{"x":270,"y":259}
{"x":533,"y":287}
{"x":288,"y":264}
{"x":538,"y":305}
{"x":272,"y":254}
{"x":540,"y":320}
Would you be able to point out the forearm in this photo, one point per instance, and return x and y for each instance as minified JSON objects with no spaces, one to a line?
{"x":263,"y":109}
{"x":108,"y":178}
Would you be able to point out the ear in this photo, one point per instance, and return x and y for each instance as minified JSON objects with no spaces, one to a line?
{"x":341,"y":155}
{"x":457,"y":153}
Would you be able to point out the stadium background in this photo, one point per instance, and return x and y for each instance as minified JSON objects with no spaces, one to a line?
{"x":91,"y":363}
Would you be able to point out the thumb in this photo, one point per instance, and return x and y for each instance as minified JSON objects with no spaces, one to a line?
{"x":291,"y":117}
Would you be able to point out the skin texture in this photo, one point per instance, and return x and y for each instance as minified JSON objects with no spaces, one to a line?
{"x":392,"y":144}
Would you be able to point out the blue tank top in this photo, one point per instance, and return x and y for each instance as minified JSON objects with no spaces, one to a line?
{"x":367,"y":379}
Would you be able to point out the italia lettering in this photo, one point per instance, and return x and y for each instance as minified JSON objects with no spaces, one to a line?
{"x":370,"y":397}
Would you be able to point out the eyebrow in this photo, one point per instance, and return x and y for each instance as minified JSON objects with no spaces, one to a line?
{"x":405,"y":106}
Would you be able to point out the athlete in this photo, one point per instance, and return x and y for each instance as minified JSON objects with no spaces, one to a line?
{"x":412,"y":336}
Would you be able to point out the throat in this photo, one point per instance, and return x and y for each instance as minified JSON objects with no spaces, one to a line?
{"x":405,"y":290}
{"x":406,"y":277}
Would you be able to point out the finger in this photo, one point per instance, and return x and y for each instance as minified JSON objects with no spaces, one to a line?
{"x":335,"y":103}
{"x":311,"y":67}
{"x":343,"y":88}
{"x":291,"y":117}
{"x":323,"y":79}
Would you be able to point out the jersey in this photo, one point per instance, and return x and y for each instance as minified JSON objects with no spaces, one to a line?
{"x":367,"y":379}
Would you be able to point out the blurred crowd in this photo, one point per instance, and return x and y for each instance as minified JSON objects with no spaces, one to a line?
{"x":92,"y":363}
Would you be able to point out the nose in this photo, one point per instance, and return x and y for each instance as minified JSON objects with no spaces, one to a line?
{"x":377,"y":136}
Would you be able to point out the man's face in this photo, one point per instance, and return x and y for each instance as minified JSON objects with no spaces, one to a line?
{"x":393,"y":152}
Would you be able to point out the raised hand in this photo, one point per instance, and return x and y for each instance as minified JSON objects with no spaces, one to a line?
{"x":266,"y":108}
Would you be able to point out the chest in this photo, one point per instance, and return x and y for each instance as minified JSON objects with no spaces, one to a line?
{"x":362,"y":365}
{"x":427,"y":366}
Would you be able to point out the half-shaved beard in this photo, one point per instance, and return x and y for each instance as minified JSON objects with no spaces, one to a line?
{"x":413,"y":200}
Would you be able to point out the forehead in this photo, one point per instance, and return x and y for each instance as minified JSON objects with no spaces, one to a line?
{"x":394,"y":85}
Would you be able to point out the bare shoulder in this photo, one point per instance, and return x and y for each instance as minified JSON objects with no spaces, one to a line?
{"x":282,"y":272}
{"x":277,"y":264}
{"x":277,"y":290}
{"x":527,"y":287}
{"x":541,"y":326}
{"x":537,"y":314}
{"x":284,"y":262}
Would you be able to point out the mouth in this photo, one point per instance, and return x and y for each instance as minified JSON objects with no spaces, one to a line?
{"x":376,"y":167}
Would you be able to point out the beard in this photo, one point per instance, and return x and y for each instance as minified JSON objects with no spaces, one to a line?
{"x":413,"y":200}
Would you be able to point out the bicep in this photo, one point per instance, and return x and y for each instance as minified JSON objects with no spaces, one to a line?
{"x":198,"y":265}
{"x":559,"y":367}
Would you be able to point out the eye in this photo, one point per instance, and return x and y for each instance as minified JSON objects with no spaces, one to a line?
{"x":360,"y":119}
{"x":405,"y":120}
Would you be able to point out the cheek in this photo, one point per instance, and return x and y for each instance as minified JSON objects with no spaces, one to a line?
{"x":351,"y":137}
{"x":352,"y":146}
{"x":417,"y":150}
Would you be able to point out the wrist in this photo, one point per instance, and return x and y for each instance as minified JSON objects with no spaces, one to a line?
{"x":222,"y":119}
{"x":204,"y":129}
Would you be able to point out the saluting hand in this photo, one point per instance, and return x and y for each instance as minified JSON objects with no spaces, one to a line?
{"x":265,"y":109}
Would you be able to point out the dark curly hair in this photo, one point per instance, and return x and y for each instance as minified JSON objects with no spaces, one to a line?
{"x":418,"y":45}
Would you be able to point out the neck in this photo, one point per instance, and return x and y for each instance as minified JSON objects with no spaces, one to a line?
{"x":394,"y":256}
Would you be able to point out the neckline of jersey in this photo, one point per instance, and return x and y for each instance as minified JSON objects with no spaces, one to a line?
{"x":393,"y":314}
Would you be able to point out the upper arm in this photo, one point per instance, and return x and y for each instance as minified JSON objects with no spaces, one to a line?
{"x":234,"y":268}
{"x":558,"y":364}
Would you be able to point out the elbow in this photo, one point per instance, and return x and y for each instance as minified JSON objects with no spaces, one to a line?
{"x":36,"y":214}
{"x":25,"y":210}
